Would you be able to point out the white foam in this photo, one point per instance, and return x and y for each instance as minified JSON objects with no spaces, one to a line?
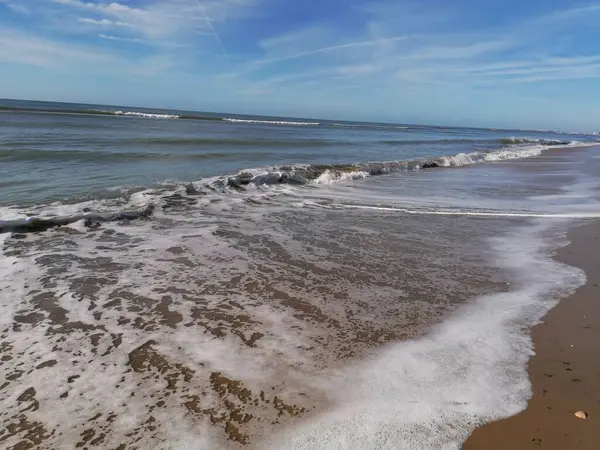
{"x":432,"y":392}
{"x":271,"y":122}
{"x":528,"y":140}
{"x":142,"y":198}
{"x":516,"y":153}
{"x":55,"y":209}
{"x":78,"y":226}
{"x":570,"y":215}
{"x":462,"y":159}
{"x":146,"y":115}
{"x":329,"y":177}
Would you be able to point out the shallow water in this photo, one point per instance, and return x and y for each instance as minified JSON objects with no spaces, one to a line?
{"x":347,"y":312}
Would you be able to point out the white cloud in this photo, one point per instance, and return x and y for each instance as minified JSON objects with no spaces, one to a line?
{"x":103,"y":22}
{"x":397,"y":43}
{"x":163,"y":19}
{"x":109,"y":37}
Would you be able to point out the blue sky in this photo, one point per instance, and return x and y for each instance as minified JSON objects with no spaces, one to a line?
{"x":463,"y":62}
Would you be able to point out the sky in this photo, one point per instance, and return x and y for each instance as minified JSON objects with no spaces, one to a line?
{"x":523,"y":64}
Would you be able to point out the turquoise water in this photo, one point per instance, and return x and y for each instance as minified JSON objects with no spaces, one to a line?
{"x":72,"y":152}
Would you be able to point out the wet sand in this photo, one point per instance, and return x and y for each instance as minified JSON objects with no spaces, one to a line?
{"x":565,"y":372}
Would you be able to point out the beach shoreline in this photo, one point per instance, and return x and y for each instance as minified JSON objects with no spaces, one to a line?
{"x":564,"y":374}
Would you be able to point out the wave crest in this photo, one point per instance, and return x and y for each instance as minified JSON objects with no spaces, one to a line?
{"x":270,"y":122}
{"x":515,"y":140}
{"x":308,"y":174}
{"x":145,"y":115}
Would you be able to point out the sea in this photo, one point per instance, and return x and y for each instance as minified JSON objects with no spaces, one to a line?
{"x":193,"y":280}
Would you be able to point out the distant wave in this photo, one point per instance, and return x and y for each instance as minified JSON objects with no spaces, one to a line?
{"x":145,"y":115}
{"x":270,"y":122}
{"x":584,"y":133}
{"x":514,"y":140}
{"x":97,"y":112}
{"x":103,"y":112}
{"x":370,"y":125}
{"x":347,"y":125}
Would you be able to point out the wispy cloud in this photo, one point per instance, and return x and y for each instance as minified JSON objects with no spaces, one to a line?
{"x":109,"y":37}
{"x":19,"y":47}
{"x":433,"y":54}
{"x":371,"y":51}
{"x":16,"y":7}
{"x":340,"y":47}
{"x":161,"y":19}
{"x":175,"y":30}
{"x":103,"y":22}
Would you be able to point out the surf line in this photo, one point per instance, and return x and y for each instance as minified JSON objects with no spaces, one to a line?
{"x":471,"y":213}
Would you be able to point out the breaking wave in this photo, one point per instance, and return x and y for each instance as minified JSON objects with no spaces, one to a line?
{"x":270,"y":122}
{"x":145,"y":115}
{"x":514,"y":140}
{"x":299,"y":175}
{"x":323,"y":173}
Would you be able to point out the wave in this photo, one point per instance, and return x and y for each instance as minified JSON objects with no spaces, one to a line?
{"x":370,"y":125}
{"x":146,"y":115}
{"x":436,"y":141}
{"x":514,"y":140}
{"x":306,"y":174}
{"x":93,"y":112}
{"x":347,"y":125}
{"x":300,"y":175}
{"x":103,"y":112}
{"x":227,"y":147}
{"x":584,"y":133}
{"x":270,"y":122}
{"x":153,"y":115}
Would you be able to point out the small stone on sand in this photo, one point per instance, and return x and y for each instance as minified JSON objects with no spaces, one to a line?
{"x":581,"y":414}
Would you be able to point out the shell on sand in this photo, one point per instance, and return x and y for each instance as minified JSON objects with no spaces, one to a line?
{"x":581,"y":414}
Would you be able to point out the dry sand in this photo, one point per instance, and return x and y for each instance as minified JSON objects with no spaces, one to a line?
{"x":565,"y":372}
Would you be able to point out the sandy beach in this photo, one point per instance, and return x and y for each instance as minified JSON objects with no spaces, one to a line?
{"x":565,"y":371}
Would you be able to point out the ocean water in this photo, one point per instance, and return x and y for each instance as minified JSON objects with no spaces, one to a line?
{"x":67,"y":152}
{"x":187,"y":280}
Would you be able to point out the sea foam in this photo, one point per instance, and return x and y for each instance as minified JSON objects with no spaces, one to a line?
{"x":146,"y":115}
{"x":430,"y":393}
{"x":271,"y":122}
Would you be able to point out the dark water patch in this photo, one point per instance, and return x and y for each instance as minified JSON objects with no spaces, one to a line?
{"x":232,"y":142}
{"x":29,"y":154}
